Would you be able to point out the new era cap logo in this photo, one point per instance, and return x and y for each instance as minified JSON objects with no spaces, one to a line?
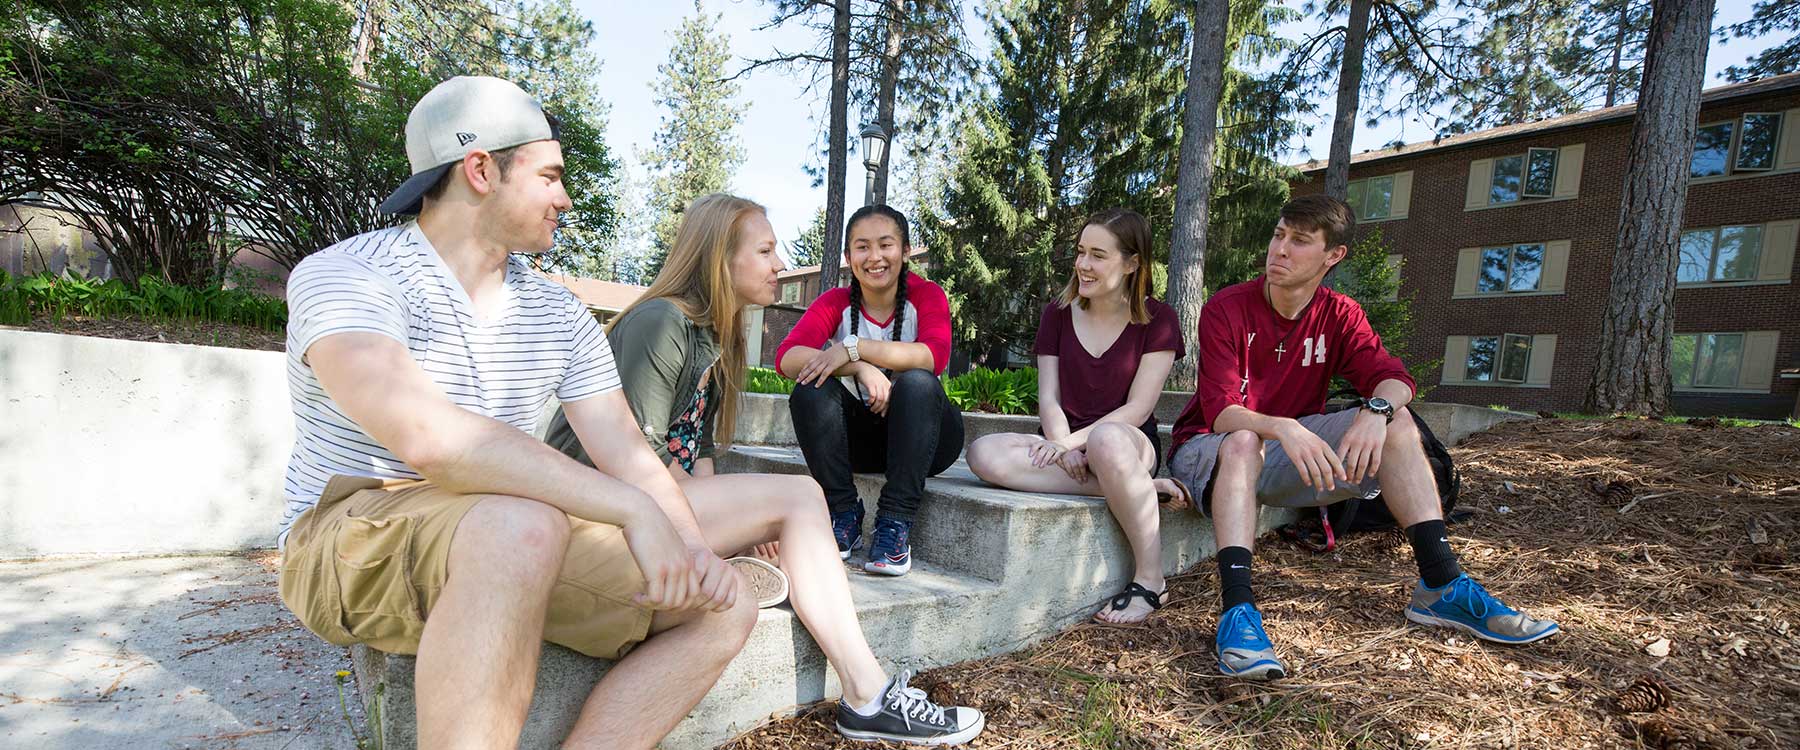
{"x":463,"y":139}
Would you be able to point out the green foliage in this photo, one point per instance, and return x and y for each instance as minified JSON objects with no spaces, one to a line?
{"x":697,"y":147}
{"x":25,"y":297}
{"x":1769,"y":16}
{"x":765,"y":380}
{"x":809,"y":248}
{"x":997,"y":391}
{"x":1367,"y":277}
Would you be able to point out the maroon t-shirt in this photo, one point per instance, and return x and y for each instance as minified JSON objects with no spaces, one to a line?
{"x":1091,"y":387}
{"x":1252,"y":357}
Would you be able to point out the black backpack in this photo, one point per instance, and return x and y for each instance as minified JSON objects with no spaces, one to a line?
{"x":1358,"y":515}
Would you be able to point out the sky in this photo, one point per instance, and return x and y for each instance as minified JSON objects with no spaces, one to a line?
{"x":781,"y":118}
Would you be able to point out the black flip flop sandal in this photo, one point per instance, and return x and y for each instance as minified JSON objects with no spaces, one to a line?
{"x":1122,"y":600}
{"x":1186,"y":495}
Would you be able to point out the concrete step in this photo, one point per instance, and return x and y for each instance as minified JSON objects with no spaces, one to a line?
{"x":995,"y":571}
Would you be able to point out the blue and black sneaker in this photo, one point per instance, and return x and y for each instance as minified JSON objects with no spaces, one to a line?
{"x":891,"y":552}
{"x":846,"y":526}
{"x":1243,"y":646}
{"x":1464,"y":605}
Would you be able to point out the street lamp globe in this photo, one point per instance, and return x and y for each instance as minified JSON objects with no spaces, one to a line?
{"x":874,"y":146}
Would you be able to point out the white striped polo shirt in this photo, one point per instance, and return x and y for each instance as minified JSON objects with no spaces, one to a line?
{"x":391,"y":282}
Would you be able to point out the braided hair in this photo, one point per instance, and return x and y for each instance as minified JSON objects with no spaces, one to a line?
{"x":856,"y":293}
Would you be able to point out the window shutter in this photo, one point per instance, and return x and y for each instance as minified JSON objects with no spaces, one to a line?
{"x":1402,"y":196}
{"x":1543,"y":356}
{"x":1456,"y":360}
{"x":1759,"y":360}
{"x":1568,"y":170}
{"x":1556,"y":266}
{"x":1468,"y":265}
{"x":1778,"y":250}
{"x":1481,"y":173}
{"x":1787,"y":153}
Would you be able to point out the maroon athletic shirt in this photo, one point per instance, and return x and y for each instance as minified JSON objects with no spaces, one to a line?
{"x":1252,"y":357}
{"x":1092,"y":387}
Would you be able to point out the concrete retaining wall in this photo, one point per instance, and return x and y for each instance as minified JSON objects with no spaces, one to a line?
{"x":110,"y":446}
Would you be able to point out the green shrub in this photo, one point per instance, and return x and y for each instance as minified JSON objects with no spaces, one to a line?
{"x":765,"y":380}
{"x":23,"y":297}
{"x":998,"y":391}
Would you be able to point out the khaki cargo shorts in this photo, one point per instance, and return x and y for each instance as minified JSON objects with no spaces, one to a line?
{"x":367,"y":563}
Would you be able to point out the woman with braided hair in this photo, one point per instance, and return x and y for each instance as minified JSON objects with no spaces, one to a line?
{"x":865,"y":362}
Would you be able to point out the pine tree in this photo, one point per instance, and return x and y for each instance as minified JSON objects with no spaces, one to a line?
{"x":697,"y":148}
{"x":1518,"y":48}
{"x":1769,"y":16}
{"x":1193,"y":186}
{"x":1631,"y":373}
{"x":1606,"y":59}
{"x":809,"y":248}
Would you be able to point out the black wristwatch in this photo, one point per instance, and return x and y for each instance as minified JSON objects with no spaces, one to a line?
{"x":1380,"y":406}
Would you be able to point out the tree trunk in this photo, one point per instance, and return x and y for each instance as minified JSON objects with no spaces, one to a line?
{"x":884,"y":105}
{"x":365,"y":39}
{"x":1612,"y":74}
{"x":1632,"y":374}
{"x":1193,"y":182}
{"x":838,"y":135}
{"x":1343,"y":126}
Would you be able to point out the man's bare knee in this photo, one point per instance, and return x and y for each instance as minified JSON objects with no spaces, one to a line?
{"x":1402,"y":431}
{"x":1241,"y":447}
{"x":530,"y":536}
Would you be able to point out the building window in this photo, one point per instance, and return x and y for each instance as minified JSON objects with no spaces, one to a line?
{"x":1505,"y":359}
{"x":1721,"y":254}
{"x":1372,"y":198}
{"x":790,"y":292}
{"x":1528,"y":175}
{"x":1707,"y":360}
{"x":1515,"y":268}
{"x":1756,"y":135}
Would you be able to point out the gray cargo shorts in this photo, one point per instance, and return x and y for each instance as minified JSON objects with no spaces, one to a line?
{"x":1195,"y":462}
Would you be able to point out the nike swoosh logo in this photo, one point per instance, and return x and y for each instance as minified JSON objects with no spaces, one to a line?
{"x":1240,"y":567}
{"x":1444,"y":539}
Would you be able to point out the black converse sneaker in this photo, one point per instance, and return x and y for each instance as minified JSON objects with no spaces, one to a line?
{"x":906,"y":715}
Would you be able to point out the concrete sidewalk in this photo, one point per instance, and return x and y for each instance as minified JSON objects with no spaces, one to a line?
{"x":167,"y":652}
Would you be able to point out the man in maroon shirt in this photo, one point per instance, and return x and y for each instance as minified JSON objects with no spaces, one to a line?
{"x":1253,"y":433}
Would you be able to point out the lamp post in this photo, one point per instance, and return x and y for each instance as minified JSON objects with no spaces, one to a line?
{"x":874,"y":148}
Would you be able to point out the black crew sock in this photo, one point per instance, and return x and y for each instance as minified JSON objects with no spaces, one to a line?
{"x":1431,"y":549}
{"x":1234,"y":577}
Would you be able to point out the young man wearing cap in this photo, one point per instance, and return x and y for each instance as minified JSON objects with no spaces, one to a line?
{"x":424,"y":518}
{"x":1254,"y":433}
{"x":422,"y":515}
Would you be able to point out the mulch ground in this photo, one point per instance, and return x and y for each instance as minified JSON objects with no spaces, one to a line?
{"x":200,"y":333}
{"x":1669,"y":553}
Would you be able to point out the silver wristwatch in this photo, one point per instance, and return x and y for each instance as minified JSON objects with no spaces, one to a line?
{"x":1380,"y":406}
{"x":850,"y":346}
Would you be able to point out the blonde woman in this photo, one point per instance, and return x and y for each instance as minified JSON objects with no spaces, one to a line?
{"x":680,"y":351}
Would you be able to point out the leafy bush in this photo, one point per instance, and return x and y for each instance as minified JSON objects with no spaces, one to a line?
{"x":23,"y":297}
{"x":765,"y":380}
{"x":999,"y":391}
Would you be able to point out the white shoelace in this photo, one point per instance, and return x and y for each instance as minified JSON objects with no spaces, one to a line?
{"x":912,"y":703}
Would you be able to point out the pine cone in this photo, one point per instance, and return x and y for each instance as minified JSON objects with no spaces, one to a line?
{"x":1704,"y":423}
{"x":1546,"y":414}
{"x":1646,"y":695}
{"x":1616,"y":492}
{"x":1771,"y":557}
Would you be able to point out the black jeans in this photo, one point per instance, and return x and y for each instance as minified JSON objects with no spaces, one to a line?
{"x":921,"y":436}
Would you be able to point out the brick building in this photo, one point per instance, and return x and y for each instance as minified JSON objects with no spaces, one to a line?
{"x":1505,"y":240}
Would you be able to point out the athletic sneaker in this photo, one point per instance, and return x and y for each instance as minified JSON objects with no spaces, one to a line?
{"x":847,"y":527}
{"x":1244,"y":647}
{"x":907,"y":716}
{"x":1463,"y":604}
{"x":891,"y":552}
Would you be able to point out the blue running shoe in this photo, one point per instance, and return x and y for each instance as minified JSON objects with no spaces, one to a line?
{"x":847,"y":528}
{"x":1464,"y":605}
{"x":891,"y":552}
{"x":1244,"y":647}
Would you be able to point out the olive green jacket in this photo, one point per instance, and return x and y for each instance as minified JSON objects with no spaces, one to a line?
{"x":661,"y":356}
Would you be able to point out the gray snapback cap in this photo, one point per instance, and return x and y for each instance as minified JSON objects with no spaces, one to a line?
{"x":463,"y":114}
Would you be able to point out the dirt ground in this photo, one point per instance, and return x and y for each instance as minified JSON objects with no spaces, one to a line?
{"x":200,"y":333}
{"x":1677,"y":584}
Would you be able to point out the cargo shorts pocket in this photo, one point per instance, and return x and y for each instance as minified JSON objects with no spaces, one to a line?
{"x":374,"y":565}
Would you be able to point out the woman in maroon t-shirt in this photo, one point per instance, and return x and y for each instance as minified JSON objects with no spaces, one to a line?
{"x":1098,"y":411}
